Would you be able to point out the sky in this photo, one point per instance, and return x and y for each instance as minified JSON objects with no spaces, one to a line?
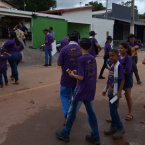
{"x":76,"y":3}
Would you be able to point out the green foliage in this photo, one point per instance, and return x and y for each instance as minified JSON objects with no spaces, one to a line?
{"x":142,"y":16}
{"x":127,"y":4}
{"x":35,"y":5}
{"x":96,"y":5}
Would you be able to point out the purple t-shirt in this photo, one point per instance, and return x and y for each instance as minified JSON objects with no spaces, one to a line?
{"x":3,"y":62}
{"x":68,"y":57}
{"x":50,"y":39}
{"x":64,"y":42}
{"x":12,"y":47}
{"x":111,"y":77}
{"x":107,"y":48}
{"x":126,"y":63}
{"x":87,"y":68}
{"x":92,"y":50}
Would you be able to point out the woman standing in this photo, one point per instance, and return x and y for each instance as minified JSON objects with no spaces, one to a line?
{"x":107,"y":48}
{"x":14,"y":47}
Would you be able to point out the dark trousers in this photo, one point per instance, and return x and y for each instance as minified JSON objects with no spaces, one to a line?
{"x":134,"y":67}
{"x":3,"y":74}
{"x":14,"y":61}
{"x":104,"y":65}
{"x":74,"y":108}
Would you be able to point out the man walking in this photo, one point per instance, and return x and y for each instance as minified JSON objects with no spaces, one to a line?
{"x":48,"y":47}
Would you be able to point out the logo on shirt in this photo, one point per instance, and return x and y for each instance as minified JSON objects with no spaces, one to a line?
{"x":88,"y":61}
{"x":73,"y":49}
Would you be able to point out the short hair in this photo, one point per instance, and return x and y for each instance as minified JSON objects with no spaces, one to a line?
{"x":18,"y":26}
{"x":85,"y":43}
{"x":51,"y":28}
{"x":21,"y":23}
{"x":114,"y":51}
{"x":73,"y":37}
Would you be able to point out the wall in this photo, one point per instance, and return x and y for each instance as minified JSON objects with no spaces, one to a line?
{"x":83,"y":16}
{"x":40,"y":23}
{"x":5,"y":5}
{"x":101,"y":27}
{"x":82,"y":28}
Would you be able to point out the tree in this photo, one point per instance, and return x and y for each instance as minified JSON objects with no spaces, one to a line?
{"x":96,"y":5}
{"x":142,"y":16}
{"x":127,"y":4}
{"x":35,"y":5}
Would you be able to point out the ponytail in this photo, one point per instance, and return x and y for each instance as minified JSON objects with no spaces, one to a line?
{"x":14,"y":36}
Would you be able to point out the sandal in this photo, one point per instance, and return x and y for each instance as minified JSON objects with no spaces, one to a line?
{"x":129,"y":117}
{"x":109,"y":119}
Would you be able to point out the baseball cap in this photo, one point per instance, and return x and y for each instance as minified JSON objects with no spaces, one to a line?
{"x":92,"y":33}
{"x":109,"y":38}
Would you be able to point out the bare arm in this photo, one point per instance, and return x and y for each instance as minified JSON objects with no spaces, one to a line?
{"x":77,"y":77}
{"x":99,"y":47}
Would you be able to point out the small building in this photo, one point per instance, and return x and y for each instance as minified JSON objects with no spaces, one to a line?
{"x":7,"y":4}
{"x":121,"y":16}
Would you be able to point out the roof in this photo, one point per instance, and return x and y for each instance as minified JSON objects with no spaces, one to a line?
{"x":8,"y":2}
{"x":67,"y":10}
{"x":141,"y":20}
{"x":101,"y":12}
{"x":3,"y":7}
{"x":128,"y":21}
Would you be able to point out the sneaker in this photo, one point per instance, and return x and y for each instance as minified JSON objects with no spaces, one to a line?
{"x":139,"y":82}
{"x":89,"y":138}
{"x":1,"y":86}
{"x":49,"y":64}
{"x":6,"y":84}
{"x":110,"y":131}
{"x":45,"y":65}
{"x":16,"y":83}
{"x":101,"y":77}
{"x":118,"y":134}
{"x":60,"y":136}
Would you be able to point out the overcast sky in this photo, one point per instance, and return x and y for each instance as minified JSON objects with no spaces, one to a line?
{"x":76,"y":3}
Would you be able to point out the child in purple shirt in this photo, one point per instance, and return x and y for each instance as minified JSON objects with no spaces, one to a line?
{"x":126,"y":62}
{"x":87,"y":77}
{"x":3,"y":67}
{"x":114,"y":87}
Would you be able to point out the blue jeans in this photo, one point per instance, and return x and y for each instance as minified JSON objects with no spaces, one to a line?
{"x":5,"y":77}
{"x":116,"y":122}
{"x":48,"y":52}
{"x":14,"y":61}
{"x":66,"y":96}
{"x":75,"y":106}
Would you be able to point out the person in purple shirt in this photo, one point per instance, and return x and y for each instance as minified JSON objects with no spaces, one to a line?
{"x":126,"y":62}
{"x":132,"y":44}
{"x":14,"y":47}
{"x":95,"y":47}
{"x":116,"y":127}
{"x":4,"y":56}
{"x":50,"y":30}
{"x":48,"y":47}
{"x":87,"y":77}
{"x":64,"y":42}
{"x":68,"y":59}
{"x":107,"y":48}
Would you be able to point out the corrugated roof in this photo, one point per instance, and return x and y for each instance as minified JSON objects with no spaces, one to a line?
{"x":128,"y":21}
{"x":8,"y":2}
{"x":66,"y":10}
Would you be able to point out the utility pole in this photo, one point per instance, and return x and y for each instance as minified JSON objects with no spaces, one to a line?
{"x":132,"y":18}
{"x":106,"y":7}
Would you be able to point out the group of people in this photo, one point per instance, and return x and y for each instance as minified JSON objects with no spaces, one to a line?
{"x":79,"y":78}
{"x":12,"y":51}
